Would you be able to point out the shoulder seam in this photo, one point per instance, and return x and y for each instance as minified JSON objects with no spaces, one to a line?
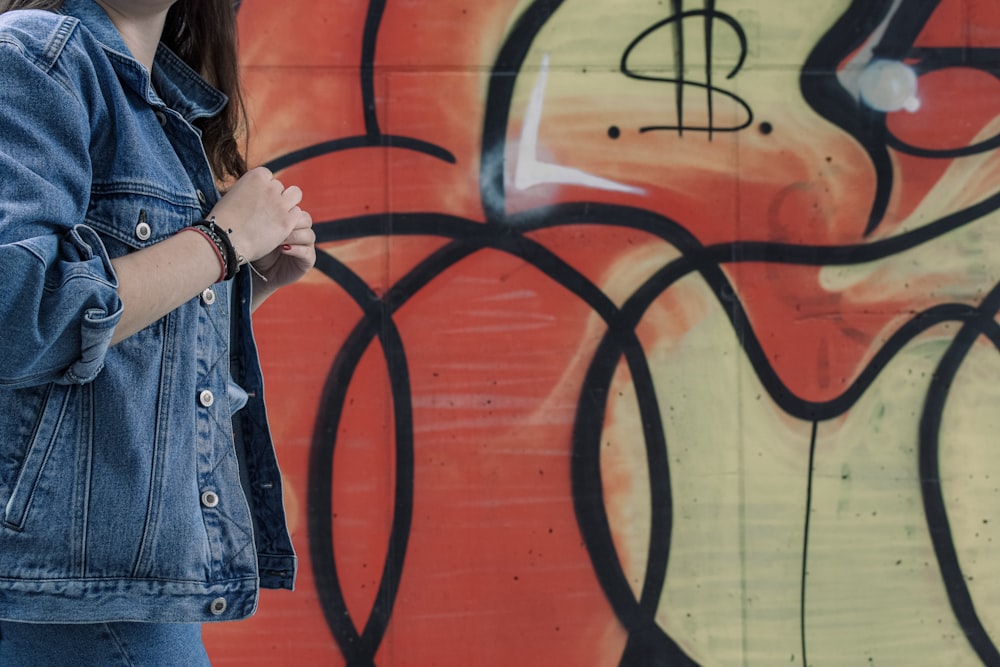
{"x":46,"y":62}
{"x":58,"y":41}
{"x":55,"y":41}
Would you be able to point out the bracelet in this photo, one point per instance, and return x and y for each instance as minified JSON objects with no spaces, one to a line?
{"x":229,"y":259}
{"x":215,"y":246}
{"x":233,"y":259}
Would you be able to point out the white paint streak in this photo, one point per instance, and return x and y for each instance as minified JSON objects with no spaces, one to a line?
{"x":531,"y":171}
{"x":850,"y":75}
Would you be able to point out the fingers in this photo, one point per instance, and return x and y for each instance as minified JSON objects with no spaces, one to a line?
{"x":300,"y":236}
{"x":261,"y":211}
{"x":301,"y":240}
{"x":302,"y":220}
{"x":291,"y":195}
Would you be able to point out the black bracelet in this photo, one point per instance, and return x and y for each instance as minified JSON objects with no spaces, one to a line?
{"x":211,"y":232}
{"x":231,"y":259}
{"x":225,"y":245}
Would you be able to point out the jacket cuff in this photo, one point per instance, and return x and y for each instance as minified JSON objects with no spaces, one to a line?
{"x":97,"y":324}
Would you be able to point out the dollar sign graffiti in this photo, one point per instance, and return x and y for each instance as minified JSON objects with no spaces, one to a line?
{"x":708,"y":17}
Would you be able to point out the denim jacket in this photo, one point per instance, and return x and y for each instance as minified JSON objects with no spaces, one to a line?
{"x":133,"y":486}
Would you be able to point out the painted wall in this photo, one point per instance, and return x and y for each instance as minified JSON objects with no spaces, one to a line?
{"x":645,"y":332}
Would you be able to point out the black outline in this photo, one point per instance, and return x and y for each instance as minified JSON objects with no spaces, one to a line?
{"x":373,"y":137}
{"x":931,"y":60}
{"x":806,"y":523}
{"x":648,"y":644}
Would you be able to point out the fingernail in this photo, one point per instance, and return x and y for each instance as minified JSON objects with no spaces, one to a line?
{"x":286,"y":247}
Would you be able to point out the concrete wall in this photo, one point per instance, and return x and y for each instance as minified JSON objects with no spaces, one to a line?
{"x":644,"y":332}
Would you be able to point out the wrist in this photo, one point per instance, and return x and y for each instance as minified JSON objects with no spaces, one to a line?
{"x":230,"y":260}
{"x":217,"y":248}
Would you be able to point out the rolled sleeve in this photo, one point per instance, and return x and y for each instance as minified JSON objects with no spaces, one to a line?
{"x":60,"y":303}
{"x":62,"y":311}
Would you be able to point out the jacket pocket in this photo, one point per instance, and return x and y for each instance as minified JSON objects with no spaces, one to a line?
{"x":36,"y":454}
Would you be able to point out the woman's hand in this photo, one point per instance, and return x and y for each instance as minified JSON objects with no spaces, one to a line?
{"x":287,"y":263}
{"x":260,"y":213}
{"x":267,"y":227}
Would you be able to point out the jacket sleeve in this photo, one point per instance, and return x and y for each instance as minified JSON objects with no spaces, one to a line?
{"x":59,"y":302}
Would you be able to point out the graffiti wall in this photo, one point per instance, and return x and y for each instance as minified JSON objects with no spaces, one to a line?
{"x":644,"y":332}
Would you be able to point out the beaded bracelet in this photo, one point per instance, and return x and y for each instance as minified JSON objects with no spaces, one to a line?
{"x":233,"y":259}
{"x":229,"y":258}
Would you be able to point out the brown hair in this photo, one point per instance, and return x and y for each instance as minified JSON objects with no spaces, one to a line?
{"x":203,"y":34}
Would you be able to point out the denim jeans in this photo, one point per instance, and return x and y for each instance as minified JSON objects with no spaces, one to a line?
{"x":102,"y":645}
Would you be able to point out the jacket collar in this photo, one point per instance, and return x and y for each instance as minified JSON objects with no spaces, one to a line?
{"x":173,"y":83}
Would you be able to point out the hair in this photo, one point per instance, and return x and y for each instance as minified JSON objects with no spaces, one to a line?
{"x":203,"y":34}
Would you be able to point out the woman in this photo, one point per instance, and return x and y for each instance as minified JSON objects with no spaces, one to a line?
{"x":139,"y":494}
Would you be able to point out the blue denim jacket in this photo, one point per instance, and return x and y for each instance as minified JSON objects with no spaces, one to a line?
{"x":131,"y":488}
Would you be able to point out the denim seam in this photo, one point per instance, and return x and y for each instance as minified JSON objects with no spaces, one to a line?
{"x":121,"y":646}
{"x":51,"y":55}
{"x":122,"y":187}
{"x":58,"y":41}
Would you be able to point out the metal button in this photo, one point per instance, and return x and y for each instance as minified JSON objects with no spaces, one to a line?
{"x":162,"y":117}
{"x":210,"y":499}
{"x":208,"y":296}
{"x":201,"y":196}
{"x":218,"y":606}
{"x":143,"y":231}
{"x":206,"y":398}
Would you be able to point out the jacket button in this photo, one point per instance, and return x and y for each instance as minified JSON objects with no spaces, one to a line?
{"x":201,"y":196}
{"x":162,"y":117}
{"x":206,"y":398}
{"x":218,"y":606}
{"x":208,"y":296}
{"x":210,"y":499}
{"x":143,"y":231}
